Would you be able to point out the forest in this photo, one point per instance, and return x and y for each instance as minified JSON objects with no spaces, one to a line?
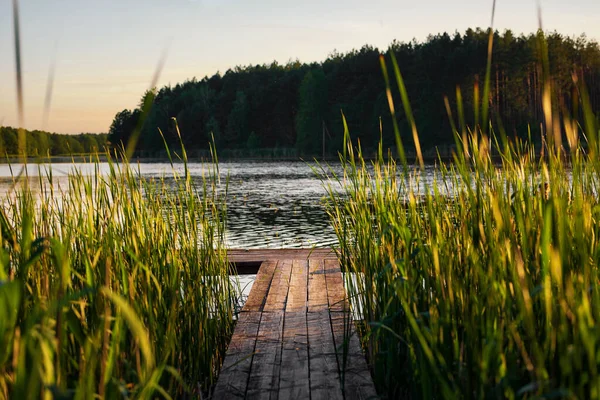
{"x":299,"y":107}
{"x":42,"y":144}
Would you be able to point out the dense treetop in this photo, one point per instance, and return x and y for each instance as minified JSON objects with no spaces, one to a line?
{"x":297,"y":105}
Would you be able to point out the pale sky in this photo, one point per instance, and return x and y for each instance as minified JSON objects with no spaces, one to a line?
{"x":106,"y":51}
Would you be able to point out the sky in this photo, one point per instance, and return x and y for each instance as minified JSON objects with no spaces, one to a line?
{"x":105,"y":52}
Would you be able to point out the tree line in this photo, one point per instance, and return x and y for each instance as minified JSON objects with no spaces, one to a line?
{"x":299,"y":106}
{"x":42,"y":144}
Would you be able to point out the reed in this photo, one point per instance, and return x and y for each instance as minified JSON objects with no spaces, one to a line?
{"x":483,"y":283}
{"x":113,"y":285}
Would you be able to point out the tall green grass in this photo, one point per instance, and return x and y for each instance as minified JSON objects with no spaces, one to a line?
{"x":483,"y":283}
{"x":113,"y":286}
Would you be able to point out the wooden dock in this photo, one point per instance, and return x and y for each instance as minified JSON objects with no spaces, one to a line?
{"x":289,"y":339}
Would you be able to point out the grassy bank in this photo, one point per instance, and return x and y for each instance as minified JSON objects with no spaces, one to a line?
{"x":484,"y":282}
{"x":113,"y":286}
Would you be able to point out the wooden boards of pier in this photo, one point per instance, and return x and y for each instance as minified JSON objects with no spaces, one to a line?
{"x":289,"y":339}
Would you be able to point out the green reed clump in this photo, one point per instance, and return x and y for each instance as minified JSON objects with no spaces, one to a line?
{"x":485,"y":282}
{"x":113,"y":286}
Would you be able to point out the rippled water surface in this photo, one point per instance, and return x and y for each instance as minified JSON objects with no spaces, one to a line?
{"x":269,"y":204}
{"x":276,"y":205}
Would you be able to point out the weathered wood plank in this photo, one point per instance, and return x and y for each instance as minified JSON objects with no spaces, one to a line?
{"x":260,"y":288}
{"x":317,"y":287}
{"x":294,"y":378}
{"x":289,"y":339}
{"x":233,"y":378}
{"x":324,"y":376}
{"x":298,"y":293}
{"x":336,"y":294}
{"x":354,"y":371}
{"x":278,"y":292}
{"x":264,"y":374}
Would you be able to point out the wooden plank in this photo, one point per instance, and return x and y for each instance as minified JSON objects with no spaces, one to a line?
{"x":354,"y":372}
{"x":353,"y":369}
{"x":264,"y":374}
{"x":324,"y":376}
{"x":233,"y":378}
{"x":260,"y":288}
{"x":278,"y":292}
{"x":298,"y":293}
{"x":294,"y":378}
{"x":317,"y":287}
{"x":290,"y":335}
{"x":336,"y":293}
{"x":358,"y":383}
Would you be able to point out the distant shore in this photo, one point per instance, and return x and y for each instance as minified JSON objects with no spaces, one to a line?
{"x":228,"y":155}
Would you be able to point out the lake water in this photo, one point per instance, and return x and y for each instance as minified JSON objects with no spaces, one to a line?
{"x":269,"y":204}
{"x":276,"y":205}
